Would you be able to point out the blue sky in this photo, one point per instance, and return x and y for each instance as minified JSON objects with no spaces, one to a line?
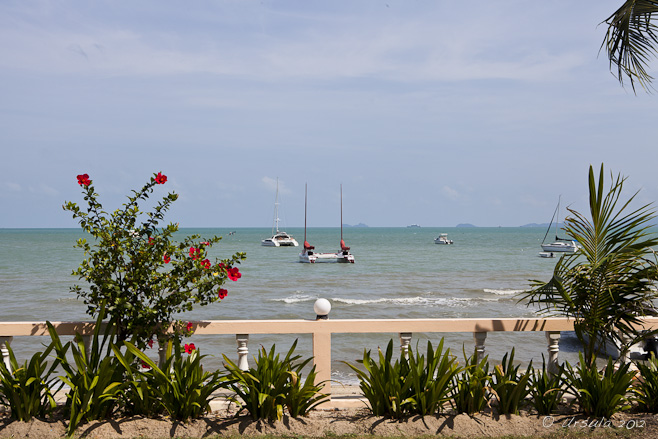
{"x":428,"y":112}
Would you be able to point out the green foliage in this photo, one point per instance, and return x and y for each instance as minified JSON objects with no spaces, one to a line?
{"x":431,"y":383}
{"x":274,"y":384}
{"x":95,"y":378}
{"x":647,"y":385}
{"x":181,"y":387}
{"x":600,"y":394}
{"x":142,"y":275}
{"x":471,"y":388}
{"x":384,"y":384}
{"x":607,"y":285}
{"x":509,"y":385}
{"x":546,"y":389}
{"x":631,"y":41}
{"x":419,"y":385}
{"x":138,"y":396}
{"x":28,"y":389}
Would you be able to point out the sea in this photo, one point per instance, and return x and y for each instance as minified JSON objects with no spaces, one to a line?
{"x":398,"y":273}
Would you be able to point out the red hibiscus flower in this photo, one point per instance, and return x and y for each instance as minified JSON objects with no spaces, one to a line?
{"x":189,"y":327}
{"x":151,"y":241}
{"x":160,"y":178}
{"x":195,"y":253}
{"x":222,"y":293}
{"x":205,"y":263}
{"x":233,"y":273}
{"x":167,"y":259}
{"x":83,"y":180}
{"x":189,"y":348}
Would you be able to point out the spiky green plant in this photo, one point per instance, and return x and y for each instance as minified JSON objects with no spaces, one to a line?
{"x":510,"y":386}
{"x":472,"y":387}
{"x":546,"y":389}
{"x":274,"y":384}
{"x":600,"y":393}
{"x":180,"y":386}
{"x":95,"y":378}
{"x":606,"y":287}
{"x":28,"y":389}
{"x":647,"y":384}
{"x":418,"y":385}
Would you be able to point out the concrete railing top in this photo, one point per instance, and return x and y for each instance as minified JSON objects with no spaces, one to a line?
{"x":9,"y":329}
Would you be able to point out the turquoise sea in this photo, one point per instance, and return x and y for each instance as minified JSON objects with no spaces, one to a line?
{"x":398,"y":273}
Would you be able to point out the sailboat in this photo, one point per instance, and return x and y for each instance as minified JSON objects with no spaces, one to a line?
{"x":308,"y":254}
{"x":279,"y":238}
{"x":560,"y":244}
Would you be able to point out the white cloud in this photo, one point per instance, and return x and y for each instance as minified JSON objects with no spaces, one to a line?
{"x":450,"y":193}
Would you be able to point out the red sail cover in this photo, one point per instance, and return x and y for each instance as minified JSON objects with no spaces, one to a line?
{"x":343,"y":246}
{"x":308,"y":246}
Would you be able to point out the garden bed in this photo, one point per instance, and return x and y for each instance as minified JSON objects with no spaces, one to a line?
{"x":347,"y":422}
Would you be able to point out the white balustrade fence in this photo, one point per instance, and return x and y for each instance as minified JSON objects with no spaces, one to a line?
{"x":322,"y":330}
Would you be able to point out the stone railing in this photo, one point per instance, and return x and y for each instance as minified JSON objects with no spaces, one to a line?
{"x":322,"y":330}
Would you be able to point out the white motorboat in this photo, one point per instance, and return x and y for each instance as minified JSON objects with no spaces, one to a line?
{"x":443,"y":239}
{"x":560,"y":244}
{"x":309,"y":256}
{"x":279,"y":237}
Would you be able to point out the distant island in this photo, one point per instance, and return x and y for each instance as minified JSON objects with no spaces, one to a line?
{"x":465,"y":225}
{"x":357,"y":225}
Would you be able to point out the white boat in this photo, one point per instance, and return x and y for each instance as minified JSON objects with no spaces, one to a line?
{"x":308,"y":254}
{"x":443,"y":239}
{"x":279,"y":237}
{"x":560,"y":244}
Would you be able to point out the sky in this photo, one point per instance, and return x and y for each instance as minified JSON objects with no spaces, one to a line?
{"x":427,"y":112}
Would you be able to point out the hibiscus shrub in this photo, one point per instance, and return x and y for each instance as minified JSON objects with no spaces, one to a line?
{"x":142,"y":275}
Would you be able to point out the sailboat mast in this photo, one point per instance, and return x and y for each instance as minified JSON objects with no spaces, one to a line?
{"x":276,"y":207}
{"x":341,"y":211}
{"x":305,"y":208}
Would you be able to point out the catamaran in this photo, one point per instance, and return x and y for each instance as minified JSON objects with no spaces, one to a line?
{"x":308,"y":254}
{"x":279,"y":237}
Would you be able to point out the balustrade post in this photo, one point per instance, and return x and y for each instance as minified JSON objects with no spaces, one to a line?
{"x":624,"y":351}
{"x":479,"y":338}
{"x":322,"y":360}
{"x":553,"y":339}
{"x":162,"y":355}
{"x":243,"y":351}
{"x":4,"y":351}
{"x":405,"y":341}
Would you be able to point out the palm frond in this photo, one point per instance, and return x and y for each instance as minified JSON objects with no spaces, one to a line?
{"x":631,"y":41}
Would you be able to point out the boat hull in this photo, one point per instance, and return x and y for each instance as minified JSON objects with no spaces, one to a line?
{"x":568,"y":246}
{"x":312,"y":258}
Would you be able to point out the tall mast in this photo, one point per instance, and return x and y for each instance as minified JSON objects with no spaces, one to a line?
{"x":305,"y":203}
{"x":276,"y":206}
{"x":341,"y":211}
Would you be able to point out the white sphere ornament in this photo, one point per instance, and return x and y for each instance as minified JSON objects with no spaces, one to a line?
{"x":322,"y":308}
